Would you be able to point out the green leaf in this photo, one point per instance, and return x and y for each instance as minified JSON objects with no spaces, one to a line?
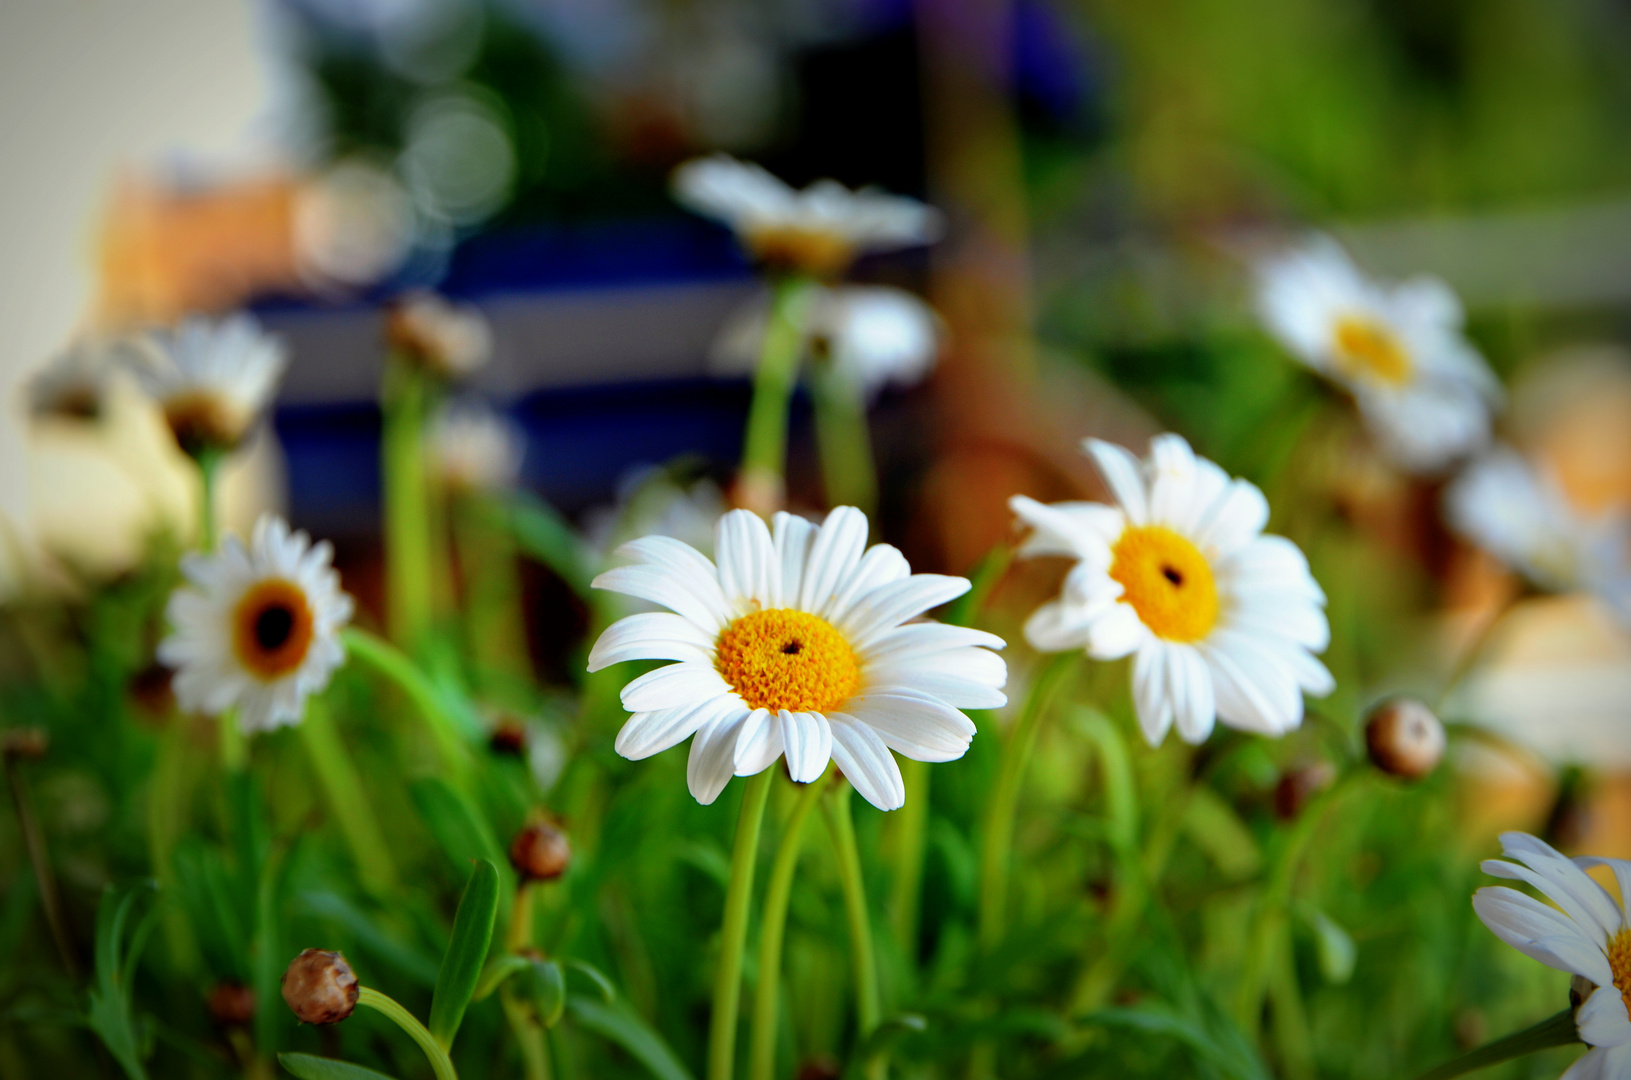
{"x":1334,"y":948}
{"x":501,"y":969}
{"x":110,"y":1013}
{"x":466,"y":953}
{"x":455,"y":823}
{"x":1158,"y":1019}
{"x":308,"y":1067}
{"x":622,"y":1025}
{"x":546,"y":986}
{"x":543,"y":534}
{"x":370,"y":934}
{"x":1218,"y":831}
{"x":596,"y":976}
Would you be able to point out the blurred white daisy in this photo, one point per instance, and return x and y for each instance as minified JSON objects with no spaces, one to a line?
{"x":1517,"y":512}
{"x":256,"y":628}
{"x":212,"y":379}
{"x":801,"y":642}
{"x":654,"y":501}
{"x":819,"y":230}
{"x":450,"y":340}
{"x":476,"y":448}
{"x":1398,"y":349}
{"x":71,"y":386}
{"x":1590,"y":938}
{"x":873,"y":335}
{"x":1222,"y":621}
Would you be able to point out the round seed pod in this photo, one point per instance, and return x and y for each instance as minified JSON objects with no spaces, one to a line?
{"x":540,"y":852}
{"x":320,"y":987}
{"x":1404,"y":738}
{"x":232,"y":1004}
{"x":1297,"y":786}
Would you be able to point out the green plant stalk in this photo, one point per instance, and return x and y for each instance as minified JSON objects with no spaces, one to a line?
{"x":522,"y":1018}
{"x":440,"y":1063}
{"x":1559,"y":1030}
{"x":911,"y":838}
{"x":495,"y":625}
{"x":394,"y":666}
{"x":998,"y":838}
{"x":168,"y":796}
{"x":764,"y":444}
{"x":733,"y":930}
{"x":234,"y":743}
{"x":352,"y":811}
{"x":209,"y":476}
{"x":836,"y":810}
{"x":772,"y":928}
{"x":45,"y":879}
{"x":848,"y":470}
{"x":406,"y":399}
{"x":1293,"y":1042}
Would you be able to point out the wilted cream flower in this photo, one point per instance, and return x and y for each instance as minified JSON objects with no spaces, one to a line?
{"x":800,"y":642}
{"x":257,"y":628}
{"x":449,"y":340}
{"x":212,"y":379}
{"x":476,"y":448}
{"x":1222,"y":621}
{"x":818,"y":231}
{"x":1398,"y":349}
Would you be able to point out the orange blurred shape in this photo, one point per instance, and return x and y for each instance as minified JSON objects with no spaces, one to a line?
{"x":166,"y":252}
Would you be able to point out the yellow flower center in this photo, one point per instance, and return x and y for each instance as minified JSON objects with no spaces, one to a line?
{"x":1619,"y":962}
{"x":272,"y":628}
{"x":1368,"y":349}
{"x":1167,"y":581}
{"x":817,"y":252}
{"x":785,"y":659}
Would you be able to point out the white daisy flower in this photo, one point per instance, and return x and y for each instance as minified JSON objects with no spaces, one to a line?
{"x":819,"y":230}
{"x":652,"y":500}
{"x":1398,"y":349}
{"x":1517,"y":512}
{"x":874,"y":335}
{"x":212,"y":379}
{"x":475,"y":448}
{"x":801,"y":642}
{"x":257,"y":628}
{"x":450,"y":340}
{"x":1222,"y":621}
{"x":71,"y":386}
{"x":1590,"y":937}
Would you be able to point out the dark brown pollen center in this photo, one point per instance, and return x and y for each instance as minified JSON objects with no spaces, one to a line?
{"x":273,"y":627}
{"x":1172,"y":575}
{"x":792,"y":647}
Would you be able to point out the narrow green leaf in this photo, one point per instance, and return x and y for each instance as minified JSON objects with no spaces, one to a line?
{"x":502,"y":968}
{"x":541,"y":533}
{"x":596,"y":976}
{"x":308,"y":1067}
{"x":1217,"y":830}
{"x":455,"y":823}
{"x":373,"y":935}
{"x":109,"y":1012}
{"x":546,"y":986}
{"x":1332,"y":945}
{"x":622,"y":1025}
{"x":466,"y":953}
{"x":1161,"y":1020}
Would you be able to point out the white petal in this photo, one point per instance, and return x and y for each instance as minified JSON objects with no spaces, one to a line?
{"x":881,"y":565}
{"x":1059,"y":627}
{"x":648,"y":733}
{"x":673,"y":686}
{"x":1298,"y":621}
{"x":759,"y":745}
{"x":928,"y":637}
{"x":1521,"y":921}
{"x":1587,"y":902}
{"x":1150,"y":698}
{"x":1116,"y":633}
{"x":1072,"y":529}
{"x":866,"y":762}
{"x":653,"y":635}
{"x":807,"y":742}
{"x":747,"y":559}
{"x":962,"y":678}
{"x":1603,"y":1020}
{"x":1605,"y":1063}
{"x":791,"y":535}
{"x":915,"y":724}
{"x":1190,"y":685}
{"x":833,"y":557}
{"x":886,"y":607}
{"x":687,"y":593}
{"x":1241,"y":701}
{"x":1621,"y":869}
{"x":713,"y":755}
{"x":1235,"y":520}
{"x":1122,"y":475}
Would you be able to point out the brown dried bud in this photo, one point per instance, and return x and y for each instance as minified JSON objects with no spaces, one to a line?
{"x":447,"y":339}
{"x":152,"y":690}
{"x":28,"y":743}
{"x":1301,"y":784}
{"x":232,"y":1004}
{"x":320,"y":987}
{"x":819,"y":1068}
{"x":1404,"y":738}
{"x":540,"y":852}
{"x":509,"y":738}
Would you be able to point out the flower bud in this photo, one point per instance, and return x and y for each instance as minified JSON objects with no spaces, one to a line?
{"x":509,"y":738}
{"x":1301,"y":784}
{"x":26,"y":743}
{"x":320,"y":987}
{"x":449,"y":340}
{"x":232,"y":1004}
{"x":1404,"y":738}
{"x":540,"y":852}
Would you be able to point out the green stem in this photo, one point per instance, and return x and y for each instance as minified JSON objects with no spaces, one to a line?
{"x":998,"y":838}
{"x":733,"y":931}
{"x":1293,"y":1042}
{"x":772,"y":926}
{"x":394,"y":666}
{"x":209,"y":470}
{"x":764,"y":444}
{"x":848,"y":470}
{"x":234,"y":743}
{"x":440,"y":1064}
{"x":409,"y":564}
{"x":839,"y":823}
{"x":495,"y":624}
{"x":522,"y":1017}
{"x":352,"y":810}
{"x":1559,"y":1030}
{"x":911,"y":835}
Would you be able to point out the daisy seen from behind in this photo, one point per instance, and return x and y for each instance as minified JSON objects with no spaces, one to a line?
{"x":1222,"y":620}
{"x":256,"y":628}
{"x":212,"y":379}
{"x":797,"y":640}
{"x":1588,"y":934}
{"x":818,"y":230}
{"x":448,"y":340}
{"x":1516,"y":511}
{"x":1422,"y":388}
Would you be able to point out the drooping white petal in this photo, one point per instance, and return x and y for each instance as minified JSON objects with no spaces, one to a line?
{"x":652,"y":635}
{"x":1116,"y":633}
{"x":713,"y":755}
{"x":648,"y":733}
{"x":1150,"y":698}
{"x":1193,"y":705}
{"x":807,"y":741}
{"x":673,"y":686}
{"x":866,"y":762}
{"x":1556,"y":875}
{"x":759,"y":744}
{"x":685,"y":593}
